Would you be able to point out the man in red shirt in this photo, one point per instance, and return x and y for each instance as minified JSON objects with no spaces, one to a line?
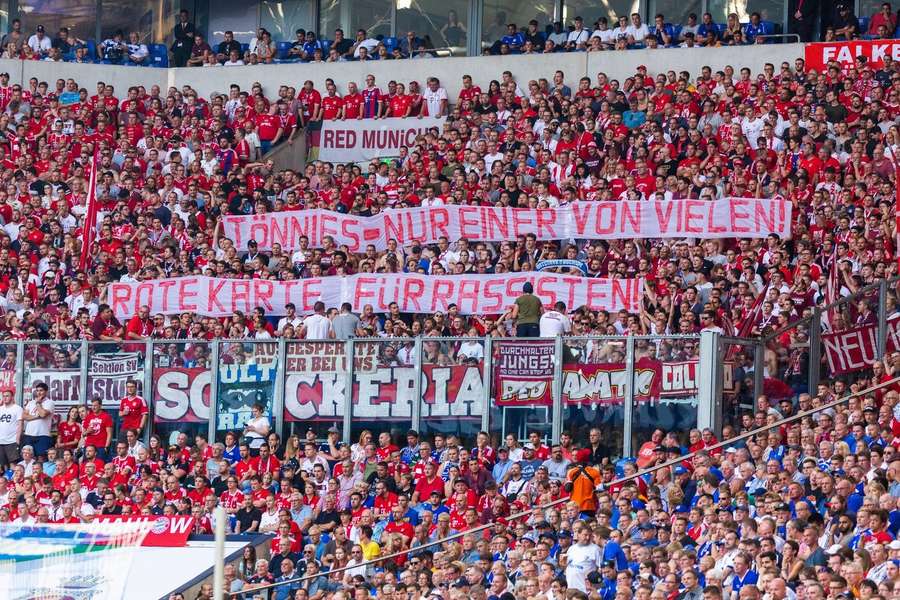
{"x":385,"y":501}
{"x":265,"y":462}
{"x":132,"y":409}
{"x":122,"y":462}
{"x":353,"y":103}
{"x":98,"y":427}
{"x":332,"y":104}
{"x":139,"y":327}
{"x":431,"y":482}
{"x":399,"y":523}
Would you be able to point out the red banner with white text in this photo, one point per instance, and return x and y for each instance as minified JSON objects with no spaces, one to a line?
{"x":472,"y":294}
{"x":730,"y":217}
{"x":170,"y":532}
{"x":820,"y":54}
{"x":856,"y":349}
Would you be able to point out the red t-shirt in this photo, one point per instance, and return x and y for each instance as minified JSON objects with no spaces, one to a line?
{"x":95,"y":425}
{"x":68,"y":432}
{"x":352,"y":105}
{"x":137,"y":408}
{"x":331,"y":106}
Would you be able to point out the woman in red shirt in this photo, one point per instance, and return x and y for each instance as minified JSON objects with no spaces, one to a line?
{"x":69,"y":431}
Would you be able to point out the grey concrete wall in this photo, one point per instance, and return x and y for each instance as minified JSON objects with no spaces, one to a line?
{"x":450,"y":70}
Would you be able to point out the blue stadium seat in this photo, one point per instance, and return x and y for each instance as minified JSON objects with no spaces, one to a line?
{"x":677,"y":29}
{"x":326,"y":48}
{"x":390,"y":43}
{"x":245,"y":47}
{"x":768,"y":27}
{"x":159,"y":55}
{"x":92,"y":49}
{"x":863,"y":25}
{"x":281,"y":53}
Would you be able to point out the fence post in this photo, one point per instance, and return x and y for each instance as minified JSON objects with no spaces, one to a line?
{"x":416,"y":414}
{"x":20,"y":373}
{"x":628,"y":401}
{"x":278,"y":400}
{"x":148,"y":391}
{"x":213,"y":391}
{"x":759,"y":366}
{"x":84,"y":367}
{"x":556,"y":390}
{"x":815,"y":349}
{"x":348,"y":390}
{"x":488,"y":382}
{"x":882,"y":318}
{"x":709,"y":388}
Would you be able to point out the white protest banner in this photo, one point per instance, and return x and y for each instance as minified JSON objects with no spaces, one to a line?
{"x":107,"y":376}
{"x":472,"y":294}
{"x":359,"y":140}
{"x":730,"y":217}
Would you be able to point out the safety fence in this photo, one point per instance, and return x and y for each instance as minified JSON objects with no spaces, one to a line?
{"x":508,"y":387}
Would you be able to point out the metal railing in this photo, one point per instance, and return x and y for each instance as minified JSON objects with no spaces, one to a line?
{"x":624,"y":385}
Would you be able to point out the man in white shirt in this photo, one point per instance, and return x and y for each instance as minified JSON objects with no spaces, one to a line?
{"x":39,"y":42}
{"x":554,"y":322}
{"x":317,"y":326}
{"x":583,"y":558}
{"x":290,"y":318}
{"x":38,"y":415}
{"x":637,"y":31}
{"x":10,"y":429}
{"x":435,"y":98}
{"x":579,"y":35}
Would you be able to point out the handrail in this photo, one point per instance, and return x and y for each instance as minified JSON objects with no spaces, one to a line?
{"x":600,"y":488}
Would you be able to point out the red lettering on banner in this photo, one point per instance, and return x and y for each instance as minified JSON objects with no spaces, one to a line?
{"x":311,"y":292}
{"x":411,"y":295}
{"x":605,"y":222}
{"x":572,"y":283}
{"x":187,"y":289}
{"x":763,"y":219}
{"x":215,"y":286}
{"x":328,"y":138}
{"x":411,"y":218}
{"x":236,"y":226}
{"x":597,"y":293}
{"x":143,"y":295}
{"x":468,"y":215}
{"x":468,"y":292}
{"x":240,"y":295}
{"x":440,"y":218}
{"x":739,"y":213}
{"x":165,"y":285}
{"x":263,"y":292}
{"x":664,"y":216}
{"x":279,"y":226}
{"x":393,"y":229}
{"x":690,"y":216}
{"x":522,"y":222}
{"x":514,"y":286}
{"x":545,"y":220}
{"x":361,"y":292}
{"x":497,"y":224}
{"x":581,"y":212}
{"x":348,"y":230}
{"x":121,"y":295}
{"x":442,"y":293}
{"x":545,"y":291}
{"x":623,"y":290}
{"x":496,"y":297}
{"x":631,"y":214}
{"x":711,"y":226}
{"x":329,"y":222}
{"x":259,"y":231}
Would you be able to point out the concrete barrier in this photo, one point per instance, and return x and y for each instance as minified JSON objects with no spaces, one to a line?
{"x":450,"y":70}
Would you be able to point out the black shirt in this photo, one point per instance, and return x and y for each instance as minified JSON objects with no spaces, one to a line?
{"x":328,"y":516}
{"x":246,"y":517}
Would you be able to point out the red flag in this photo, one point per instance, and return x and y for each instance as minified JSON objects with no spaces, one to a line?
{"x":90,"y":219}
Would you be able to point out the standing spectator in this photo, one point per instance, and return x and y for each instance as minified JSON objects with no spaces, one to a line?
{"x":184,"y":40}
{"x":345,"y":323}
{"x":15,"y":36}
{"x":10,"y":429}
{"x":554,"y":322}
{"x":38,"y":417}
{"x":804,"y":19}
{"x":98,"y":427}
{"x":526,"y":313}
{"x":887,"y":17}
{"x":436,"y":98}
{"x":133,"y":410}
{"x":39,"y":42}
{"x":317,"y":326}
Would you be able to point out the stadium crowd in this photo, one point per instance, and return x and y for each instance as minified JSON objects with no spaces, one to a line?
{"x":806,"y":511}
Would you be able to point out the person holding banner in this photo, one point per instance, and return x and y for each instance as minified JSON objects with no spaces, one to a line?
{"x":526,"y":313}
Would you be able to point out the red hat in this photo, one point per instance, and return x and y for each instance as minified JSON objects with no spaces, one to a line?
{"x":583,"y":455}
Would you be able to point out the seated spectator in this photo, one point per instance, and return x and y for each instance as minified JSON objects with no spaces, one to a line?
{"x":637,"y":30}
{"x":887,"y":17}
{"x":61,"y":41}
{"x":137,"y":52}
{"x":662,"y":31}
{"x":39,"y":43}
{"x":253,"y":47}
{"x":513,"y":38}
{"x":113,"y":49}
{"x":579,"y":35}
{"x":846,"y":25}
{"x":265,"y":48}
{"x":691,"y":27}
{"x":689,"y":41}
{"x":534,"y":35}
{"x":227,"y":46}
{"x":11,"y":52}
{"x":754,"y":28}
{"x":559,"y":35}
{"x":620,"y":32}
{"x":341,"y":44}
{"x":707,"y":32}
{"x":604,"y":33}
{"x":199,"y":51}
{"x":15,"y":35}
{"x":311,"y":44}
{"x":409,"y":44}
{"x":732,"y":27}
{"x":296,"y":50}
{"x":363,"y":41}
{"x":54,"y":55}
{"x":82,"y":55}
{"x":234,"y":59}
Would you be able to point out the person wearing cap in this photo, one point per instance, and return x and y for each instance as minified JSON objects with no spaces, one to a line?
{"x":846,"y":25}
{"x":526,"y":312}
{"x":582,"y":481}
{"x":39,"y":42}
